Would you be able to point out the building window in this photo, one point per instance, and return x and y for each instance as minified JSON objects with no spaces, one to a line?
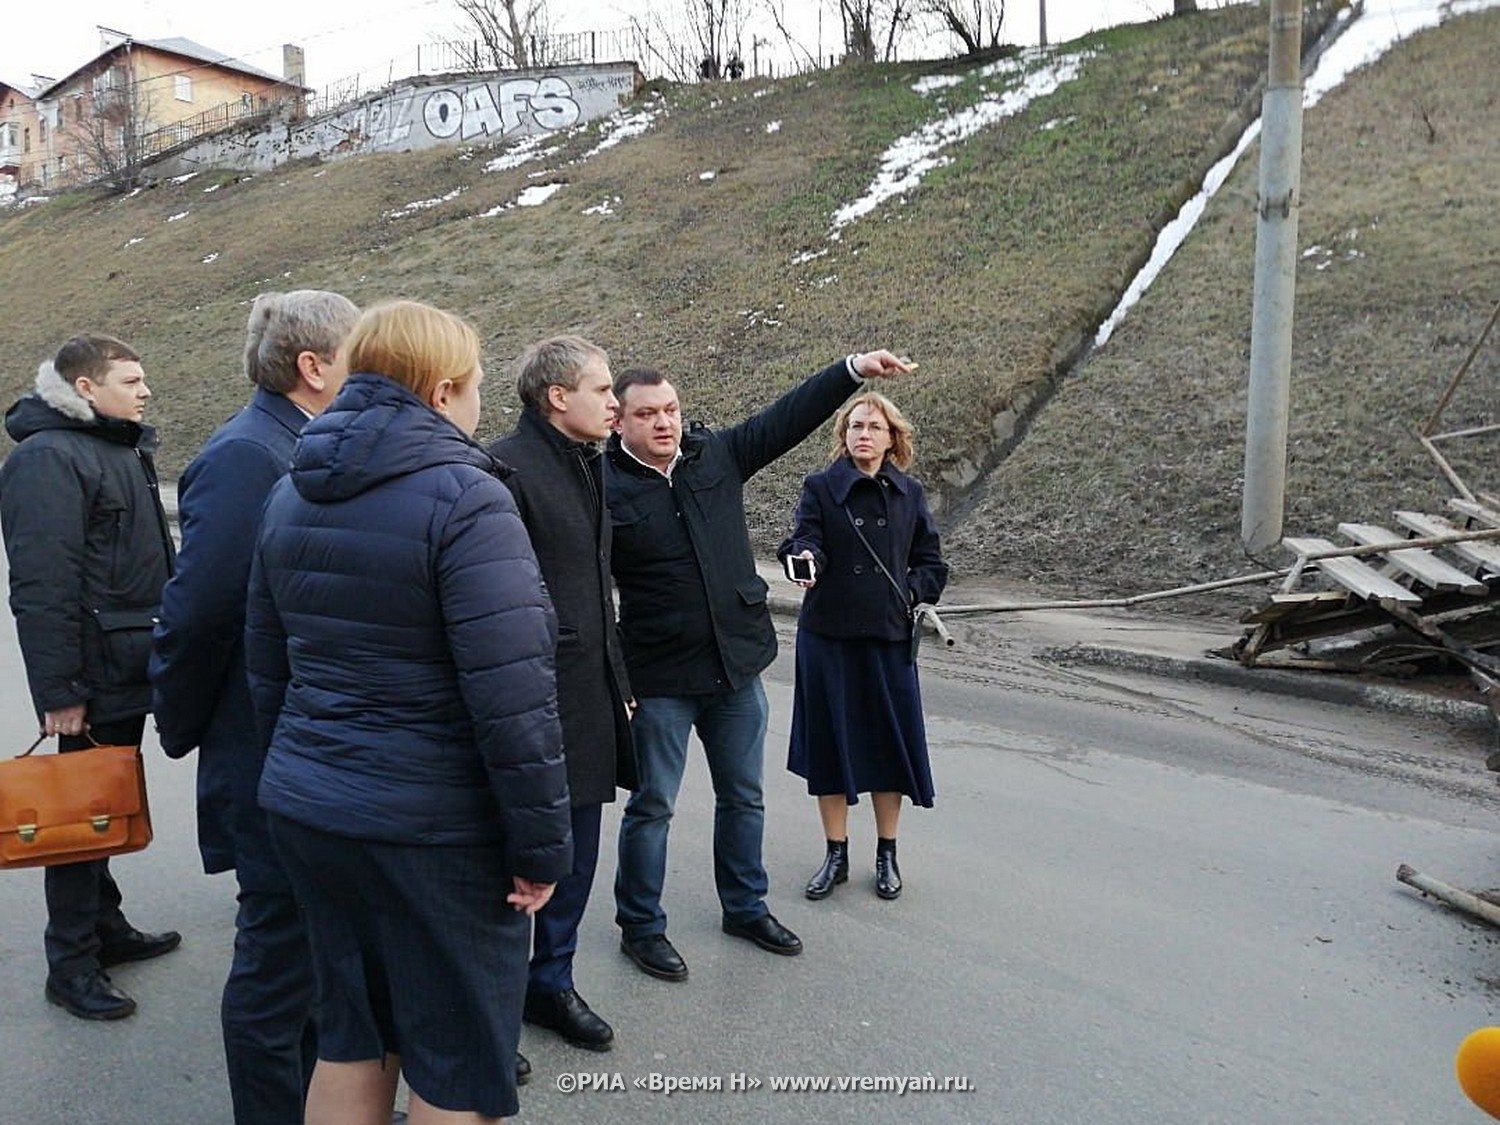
{"x":27,"y":136}
{"x":183,"y":87}
{"x":41,"y":131}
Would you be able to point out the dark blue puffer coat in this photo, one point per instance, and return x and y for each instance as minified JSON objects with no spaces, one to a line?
{"x":399,"y":641}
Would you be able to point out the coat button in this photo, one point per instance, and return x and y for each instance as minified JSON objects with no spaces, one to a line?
{"x":859,"y":570}
{"x":880,"y":522}
{"x":859,"y":521}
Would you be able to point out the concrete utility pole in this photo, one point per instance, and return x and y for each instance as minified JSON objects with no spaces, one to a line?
{"x":1275,"y":283}
{"x":1041,"y":23}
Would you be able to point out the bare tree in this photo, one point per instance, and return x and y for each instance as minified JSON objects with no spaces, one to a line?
{"x":715,"y":28}
{"x":873,"y":28}
{"x":501,"y":34}
{"x":700,"y":40}
{"x":111,"y":129}
{"x":975,"y":23}
{"x":776,"y":9}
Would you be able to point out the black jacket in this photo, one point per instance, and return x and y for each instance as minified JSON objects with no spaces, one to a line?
{"x":852,"y":599}
{"x":693,"y":610}
{"x":558,"y":485}
{"x":89,"y":551}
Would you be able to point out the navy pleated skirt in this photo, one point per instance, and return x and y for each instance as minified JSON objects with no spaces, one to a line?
{"x":857,"y":722}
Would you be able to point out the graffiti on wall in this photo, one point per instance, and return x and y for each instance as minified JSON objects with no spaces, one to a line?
{"x":423,"y":112}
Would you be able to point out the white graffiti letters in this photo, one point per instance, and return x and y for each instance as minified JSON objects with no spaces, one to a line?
{"x":553,"y":106}
{"x":390,"y":121}
{"x":483,"y":110}
{"x":443,"y":114}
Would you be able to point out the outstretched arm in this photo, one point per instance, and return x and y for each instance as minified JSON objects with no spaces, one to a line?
{"x":766,"y":435}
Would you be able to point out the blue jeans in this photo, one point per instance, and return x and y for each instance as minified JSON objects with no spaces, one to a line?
{"x":732,"y":728}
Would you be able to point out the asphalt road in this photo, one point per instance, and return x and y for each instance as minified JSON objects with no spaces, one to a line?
{"x":1137,"y":900}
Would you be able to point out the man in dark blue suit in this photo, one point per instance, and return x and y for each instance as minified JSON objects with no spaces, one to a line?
{"x":201,"y":697}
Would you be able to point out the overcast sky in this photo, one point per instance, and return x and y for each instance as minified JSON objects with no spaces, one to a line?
{"x":378,"y":38}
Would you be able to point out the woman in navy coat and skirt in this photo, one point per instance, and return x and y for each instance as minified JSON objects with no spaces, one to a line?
{"x":857,"y":722}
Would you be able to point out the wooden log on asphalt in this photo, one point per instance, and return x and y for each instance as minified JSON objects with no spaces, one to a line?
{"x":1453,"y":896}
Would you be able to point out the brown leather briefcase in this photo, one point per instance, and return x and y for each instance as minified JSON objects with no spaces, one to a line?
{"x":73,"y":807}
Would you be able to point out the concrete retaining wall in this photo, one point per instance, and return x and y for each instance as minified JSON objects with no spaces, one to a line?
{"x":420,"y":113}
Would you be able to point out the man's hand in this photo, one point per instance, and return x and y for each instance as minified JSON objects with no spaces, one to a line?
{"x":529,"y":897}
{"x":67,"y":721}
{"x":877,"y":364}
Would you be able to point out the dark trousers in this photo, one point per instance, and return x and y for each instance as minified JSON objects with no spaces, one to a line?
{"x":269,"y":1042}
{"x":555,"y":938}
{"x":83,"y":902}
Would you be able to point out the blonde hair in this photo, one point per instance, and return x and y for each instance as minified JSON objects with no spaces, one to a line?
{"x":415,"y":345}
{"x":902,"y":449}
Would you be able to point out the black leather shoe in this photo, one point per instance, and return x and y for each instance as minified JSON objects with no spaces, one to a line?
{"x":835,"y":870}
{"x":523,"y":1069}
{"x":567,"y":1014}
{"x":767,"y":933}
{"x":90,"y":996}
{"x":887,"y":874}
{"x":654,"y":955}
{"x":133,"y":945}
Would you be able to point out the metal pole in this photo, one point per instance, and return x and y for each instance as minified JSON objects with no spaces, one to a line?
{"x":1041,"y":39}
{"x":1275,"y":283}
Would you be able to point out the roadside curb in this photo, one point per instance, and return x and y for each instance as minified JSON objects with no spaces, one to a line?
{"x":1202,"y":665}
{"x":1306,"y":685}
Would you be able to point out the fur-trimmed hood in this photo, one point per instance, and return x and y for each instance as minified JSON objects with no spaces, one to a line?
{"x":62,"y":395}
{"x":55,"y":404}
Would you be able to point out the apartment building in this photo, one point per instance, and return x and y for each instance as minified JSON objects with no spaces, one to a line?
{"x":134,"y":99}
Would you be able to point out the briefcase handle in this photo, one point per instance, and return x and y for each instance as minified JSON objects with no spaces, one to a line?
{"x":41,"y":738}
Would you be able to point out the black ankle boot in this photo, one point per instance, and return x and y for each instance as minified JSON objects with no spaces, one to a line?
{"x":835,"y":870}
{"x":887,"y":874}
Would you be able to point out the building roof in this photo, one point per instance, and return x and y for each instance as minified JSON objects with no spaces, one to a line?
{"x":183,"y":48}
{"x":24,"y":91}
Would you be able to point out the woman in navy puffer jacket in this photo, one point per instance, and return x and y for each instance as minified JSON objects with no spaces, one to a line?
{"x":400,"y":647}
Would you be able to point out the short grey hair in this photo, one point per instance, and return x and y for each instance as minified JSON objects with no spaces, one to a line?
{"x":284,"y":325}
{"x":555,"y":362}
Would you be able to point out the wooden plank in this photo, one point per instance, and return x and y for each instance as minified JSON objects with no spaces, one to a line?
{"x":1351,"y":573}
{"x":1424,"y":566}
{"x":1478,"y":513}
{"x":1483,"y":554}
{"x":1304,"y":601}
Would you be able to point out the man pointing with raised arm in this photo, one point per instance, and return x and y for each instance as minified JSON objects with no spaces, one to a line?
{"x":697,"y":633}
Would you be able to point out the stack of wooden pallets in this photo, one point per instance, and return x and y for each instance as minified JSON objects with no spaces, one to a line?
{"x":1437,"y":581}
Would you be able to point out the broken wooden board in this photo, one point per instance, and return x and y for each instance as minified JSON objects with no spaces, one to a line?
{"x":1483,"y":554}
{"x":1350,"y":573}
{"x":1423,"y":566}
{"x":1302,"y":602}
{"x":1475,"y":513}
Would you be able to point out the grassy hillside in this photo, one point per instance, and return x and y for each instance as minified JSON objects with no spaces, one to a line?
{"x":1130,"y":479}
{"x":994,"y":274}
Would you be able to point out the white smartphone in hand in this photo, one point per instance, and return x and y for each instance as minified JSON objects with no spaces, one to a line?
{"x":799,"y":569}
